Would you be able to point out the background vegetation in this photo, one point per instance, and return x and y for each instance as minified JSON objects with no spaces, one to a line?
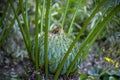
{"x":93,"y":25}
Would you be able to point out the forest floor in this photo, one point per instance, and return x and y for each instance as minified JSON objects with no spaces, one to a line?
{"x":15,"y":69}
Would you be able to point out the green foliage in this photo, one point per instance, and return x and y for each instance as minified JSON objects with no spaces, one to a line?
{"x":56,"y":51}
{"x":98,"y":73}
{"x":107,"y":75}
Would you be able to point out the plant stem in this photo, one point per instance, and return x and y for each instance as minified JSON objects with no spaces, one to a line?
{"x":47,"y":24}
{"x":25,"y":18}
{"x":27,"y":28}
{"x":101,"y":26}
{"x":7,"y":32}
{"x":76,"y":39}
{"x":42,"y":16}
{"x":36,"y":40}
{"x":93,"y":38}
{"x":65,"y":14}
{"x":73,"y":18}
{"x":20,"y":25}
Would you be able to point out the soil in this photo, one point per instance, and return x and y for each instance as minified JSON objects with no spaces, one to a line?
{"x":12,"y":68}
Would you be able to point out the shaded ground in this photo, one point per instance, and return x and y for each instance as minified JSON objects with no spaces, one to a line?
{"x":13,"y":69}
{"x":24,"y":69}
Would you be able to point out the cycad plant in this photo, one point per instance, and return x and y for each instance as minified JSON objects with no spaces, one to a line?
{"x":54,"y":50}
